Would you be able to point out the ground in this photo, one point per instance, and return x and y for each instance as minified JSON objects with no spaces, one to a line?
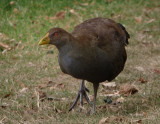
{"x":34,"y":90}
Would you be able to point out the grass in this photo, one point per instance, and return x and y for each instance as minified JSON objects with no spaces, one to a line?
{"x":27,"y":68}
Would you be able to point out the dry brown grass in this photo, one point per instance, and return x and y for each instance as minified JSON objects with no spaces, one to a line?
{"x":34,"y":90}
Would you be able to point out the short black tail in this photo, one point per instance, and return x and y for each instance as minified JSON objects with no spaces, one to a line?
{"x":127,"y":35}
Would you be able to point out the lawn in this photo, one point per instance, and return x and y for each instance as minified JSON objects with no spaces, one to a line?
{"x":34,"y":90}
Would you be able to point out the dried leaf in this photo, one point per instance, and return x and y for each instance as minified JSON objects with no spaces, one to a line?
{"x":104,"y":120}
{"x":120,"y":100}
{"x":4,"y":46}
{"x":110,"y":85}
{"x":109,"y":120}
{"x":60,"y":15}
{"x":128,"y":89}
{"x":150,"y":21}
{"x":115,"y":16}
{"x":138,"y":19}
{"x":42,"y":95}
{"x":142,"y":80}
{"x":138,"y":121}
{"x":30,"y":64}
{"x":139,"y":68}
{"x":4,"y":51}
{"x":16,"y":11}
{"x":72,"y":11}
{"x":50,"y":98}
{"x":58,"y":110}
{"x":84,"y":4}
{"x":12,"y":3}
{"x":3,"y":36}
{"x":23,"y":90}
{"x":44,"y":85}
{"x":60,"y":85}
{"x":7,"y":95}
{"x":115,"y":94}
{"x":156,"y":71}
{"x":91,"y":97}
{"x":92,"y":3}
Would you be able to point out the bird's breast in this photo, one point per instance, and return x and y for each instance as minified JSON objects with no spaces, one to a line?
{"x":94,"y":68}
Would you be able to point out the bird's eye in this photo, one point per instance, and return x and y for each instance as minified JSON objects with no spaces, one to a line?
{"x":56,"y":34}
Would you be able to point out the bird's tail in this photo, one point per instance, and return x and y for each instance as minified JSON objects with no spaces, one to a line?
{"x":127,"y":35}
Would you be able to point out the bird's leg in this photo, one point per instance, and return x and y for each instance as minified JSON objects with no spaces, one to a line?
{"x":81,"y":93}
{"x":95,"y":86}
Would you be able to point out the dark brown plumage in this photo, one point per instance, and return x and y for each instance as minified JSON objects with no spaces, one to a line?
{"x":94,"y":51}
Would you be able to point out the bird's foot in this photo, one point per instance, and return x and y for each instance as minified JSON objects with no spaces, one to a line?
{"x":81,"y":93}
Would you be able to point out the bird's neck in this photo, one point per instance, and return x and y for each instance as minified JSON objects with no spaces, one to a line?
{"x":66,"y":45}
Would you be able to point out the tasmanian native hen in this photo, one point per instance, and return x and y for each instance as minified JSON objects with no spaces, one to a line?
{"x":94,"y":51}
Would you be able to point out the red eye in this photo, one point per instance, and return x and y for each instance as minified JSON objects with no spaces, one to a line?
{"x":56,"y":34}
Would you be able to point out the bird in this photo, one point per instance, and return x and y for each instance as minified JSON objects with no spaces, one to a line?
{"x":94,"y":51}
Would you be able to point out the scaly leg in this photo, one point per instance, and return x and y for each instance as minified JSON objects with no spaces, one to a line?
{"x":95,"y":86}
{"x":81,"y":93}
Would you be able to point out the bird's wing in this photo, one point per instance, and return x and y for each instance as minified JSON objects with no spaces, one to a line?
{"x":101,"y":32}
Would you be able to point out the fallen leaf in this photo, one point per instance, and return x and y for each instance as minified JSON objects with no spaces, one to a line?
{"x":42,"y":95}
{"x":30,"y":64}
{"x":4,"y":107}
{"x":116,"y":16}
{"x":104,"y":120}
{"x":150,"y":21}
{"x":110,"y":85}
{"x":4,"y":46}
{"x":60,"y":15}
{"x":138,"y":19}
{"x":44,"y":85}
{"x":51,"y":98}
{"x":60,"y":85}
{"x":12,"y":3}
{"x":128,"y":89}
{"x":7,"y":95}
{"x":23,"y":90}
{"x":139,"y":68}
{"x":156,"y":71}
{"x":58,"y":110}
{"x":3,"y":36}
{"x":111,"y":119}
{"x":142,"y":80}
{"x":92,"y":3}
{"x":27,"y":115}
{"x":4,"y":51}
{"x":120,"y":100}
{"x":138,"y":121}
{"x":51,"y":18}
{"x":91,"y":97}
{"x":84,"y":4}
{"x":16,"y":11}
{"x":72,"y":11}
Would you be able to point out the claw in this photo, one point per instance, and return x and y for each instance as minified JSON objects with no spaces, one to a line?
{"x":81,"y":93}
{"x":87,"y":89}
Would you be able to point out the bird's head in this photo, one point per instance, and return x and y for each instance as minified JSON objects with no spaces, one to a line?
{"x":55,"y":36}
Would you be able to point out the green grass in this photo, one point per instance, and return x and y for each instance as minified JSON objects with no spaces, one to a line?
{"x":28,"y":65}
